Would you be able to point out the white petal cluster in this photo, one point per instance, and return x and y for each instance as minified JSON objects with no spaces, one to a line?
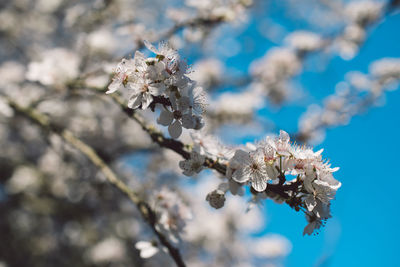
{"x":55,"y":67}
{"x":208,"y":145}
{"x":276,"y":64}
{"x":351,"y":97}
{"x":272,"y":160}
{"x":228,"y":10}
{"x":162,"y":76}
{"x":360,"y":14}
{"x":268,"y":161}
{"x":250,"y":167}
{"x":172,"y":213}
{"x":386,"y":69}
{"x":207,"y":72}
{"x":238,"y":107}
{"x":304,"y":41}
{"x":273,"y":70}
{"x":192,"y":165}
{"x":364,"y":12}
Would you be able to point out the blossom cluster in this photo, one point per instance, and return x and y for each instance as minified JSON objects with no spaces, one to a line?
{"x":269,"y":163}
{"x":360,"y":14}
{"x":172,"y":213}
{"x":171,"y":217}
{"x":162,"y":79}
{"x":273,"y":71}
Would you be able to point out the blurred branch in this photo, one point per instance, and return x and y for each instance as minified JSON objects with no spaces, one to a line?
{"x":193,"y":22}
{"x":146,"y":212}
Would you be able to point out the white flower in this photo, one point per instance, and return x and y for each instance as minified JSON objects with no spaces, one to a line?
{"x":281,"y":144}
{"x":193,"y":165}
{"x":124,"y":70}
{"x":174,"y":64}
{"x":210,"y":146}
{"x":147,"y":249}
{"x":164,"y":76}
{"x":163,"y":50}
{"x":144,"y":90}
{"x":175,"y":120}
{"x":252,"y":168}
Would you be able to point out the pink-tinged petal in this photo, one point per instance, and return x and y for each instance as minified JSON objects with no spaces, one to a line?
{"x":175,"y":129}
{"x":135,"y":101}
{"x":166,"y":118}
{"x":269,"y":152}
{"x":284,"y":136}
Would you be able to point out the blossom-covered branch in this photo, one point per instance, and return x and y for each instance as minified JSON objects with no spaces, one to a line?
{"x":353,"y":96}
{"x":264,"y":165}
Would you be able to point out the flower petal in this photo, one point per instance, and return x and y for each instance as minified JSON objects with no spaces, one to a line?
{"x":151,"y":47}
{"x":175,"y":129}
{"x":114,"y":86}
{"x":156,"y":89}
{"x":188,"y":121}
{"x":310,"y":202}
{"x":240,"y":176}
{"x":259,"y":182}
{"x":148,"y":252}
{"x":146,"y":100}
{"x":135,"y":100}
{"x":166,"y":117}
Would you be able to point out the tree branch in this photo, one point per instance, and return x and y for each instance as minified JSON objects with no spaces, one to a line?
{"x":146,"y":212}
{"x":183,"y":149}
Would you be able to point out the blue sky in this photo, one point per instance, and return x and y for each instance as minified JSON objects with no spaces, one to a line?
{"x":364,"y":230}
